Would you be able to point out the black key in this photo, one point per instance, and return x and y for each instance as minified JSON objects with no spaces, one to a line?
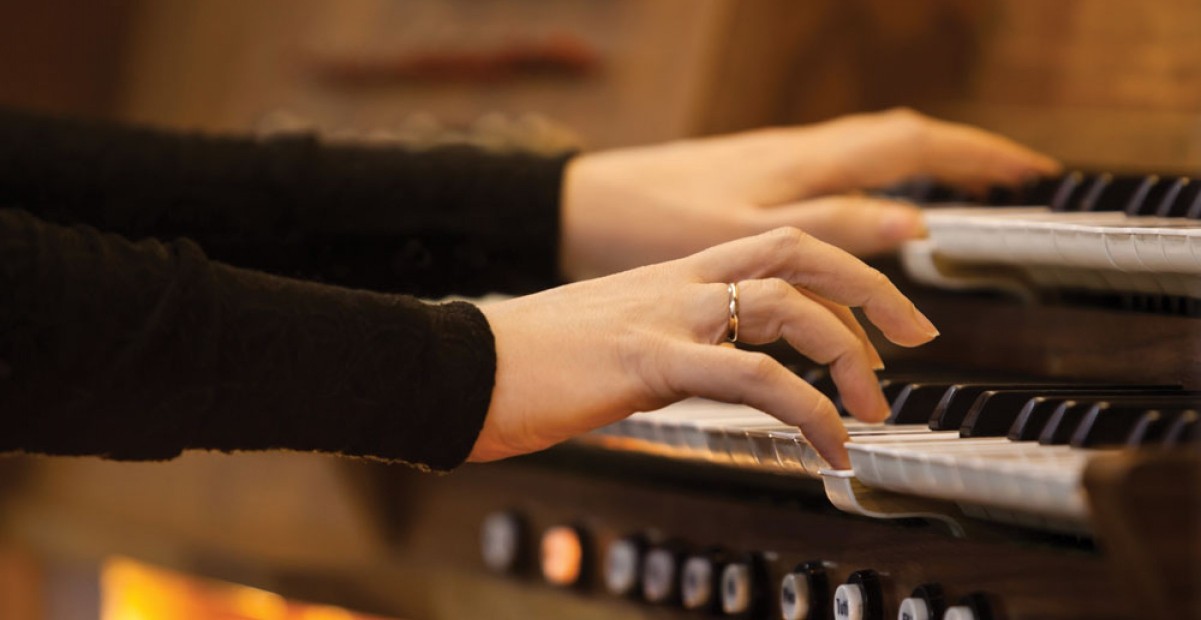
{"x":1183,"y":430}
{"x":1090,"y":197}
{"x":1120,"y":194}
{"x":1145,"y":197}
{"x":1117,"y":194}
{"x":890,"y":384}
{"x":945,"y":193}
{"x":994,"y":411}
{"x":1039,"y":193}
{"x":1034,"y":415}
{"x":1002,"y":196}
{"x":917,"y":402}
{"x":1067,"y":418}
{"x":1063,"y":422}
{"x":1167,"y":206}
{"x":1068,"y":192}
{"x":1149,"y":202}
{"x":892,"y":388}
{"x":1190,"y":200}
{"x":1107,"y":424}
{"x":1149,"y":429}
{"x":957,"y":400}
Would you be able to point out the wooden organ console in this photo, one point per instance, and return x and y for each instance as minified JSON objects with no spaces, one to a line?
{"x":1066,"y":410}
{"x":707,"y":510}
{"x":1069,"y":314}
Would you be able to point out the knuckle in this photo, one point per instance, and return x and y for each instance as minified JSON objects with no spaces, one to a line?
{"x":760,"y":368}
{"x":902,"y":111}
{"x":848,"y":353}
{"x":836,"y":348}
{"x":778,"y":291}
{"x":877,"y":280}
{"x":907,"y":122}
{"x":820,"y":409}
{"x":904,"y":114}
{"x":787,"y":237}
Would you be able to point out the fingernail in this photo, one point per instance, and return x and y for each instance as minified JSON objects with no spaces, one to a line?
{"x":925,"y":324}
{"x":901,"y":224}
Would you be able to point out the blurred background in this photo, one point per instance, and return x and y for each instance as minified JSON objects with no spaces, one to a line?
{"x":1102,"y":84}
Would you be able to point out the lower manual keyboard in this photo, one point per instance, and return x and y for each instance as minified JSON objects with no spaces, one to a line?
{"x":1004,"y":476}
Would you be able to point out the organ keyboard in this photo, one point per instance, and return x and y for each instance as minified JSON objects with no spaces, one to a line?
{"x":1006,"y":449}
{"x":1099,"y":233}
{"x":1104,"y":266}
{"x":702,"y":509}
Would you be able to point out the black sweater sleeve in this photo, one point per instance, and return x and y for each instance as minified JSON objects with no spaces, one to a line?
{"x":140,"y":350}
{"x":447,"y":220}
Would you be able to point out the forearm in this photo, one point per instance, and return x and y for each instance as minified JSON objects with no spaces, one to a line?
{"x":452,"y":219}
{"x":139,"y":351}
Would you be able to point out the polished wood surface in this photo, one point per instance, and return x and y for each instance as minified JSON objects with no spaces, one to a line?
{"x":1113,"y":85}
{"x":1134,"y":495}
{"x":388,"y":540}
{"x":63,"y":56}
{"x":1057,"y":340}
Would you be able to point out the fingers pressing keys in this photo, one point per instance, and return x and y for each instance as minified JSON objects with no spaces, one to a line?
{"x":1047,"y":429}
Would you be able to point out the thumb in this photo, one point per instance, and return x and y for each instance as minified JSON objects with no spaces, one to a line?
{"x":860,"y":225}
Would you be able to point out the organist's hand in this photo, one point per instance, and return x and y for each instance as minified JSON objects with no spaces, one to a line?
{"x":580,"y":356}
{"x":637,"y":206}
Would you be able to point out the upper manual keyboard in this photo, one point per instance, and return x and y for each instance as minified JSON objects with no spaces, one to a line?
{"x":1097,"y":233}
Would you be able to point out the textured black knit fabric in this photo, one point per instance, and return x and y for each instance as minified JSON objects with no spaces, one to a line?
{"x":120,"y":337}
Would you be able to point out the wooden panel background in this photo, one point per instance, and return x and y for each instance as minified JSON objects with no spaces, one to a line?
{"x":223,"y":64}
{"x":1106,"y":84}
{"x":392,"y":541}
{"x":63,"y":56}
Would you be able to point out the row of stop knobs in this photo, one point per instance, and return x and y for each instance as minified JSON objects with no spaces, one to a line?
{"x":712,"y":580}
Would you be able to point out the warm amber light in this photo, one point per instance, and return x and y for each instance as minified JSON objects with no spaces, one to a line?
{"x":562,"y":555}
{"x":131,"y":590}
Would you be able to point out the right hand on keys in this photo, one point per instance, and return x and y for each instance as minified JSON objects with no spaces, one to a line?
{"x":578,"y":357}
{"x":641,"y":205}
